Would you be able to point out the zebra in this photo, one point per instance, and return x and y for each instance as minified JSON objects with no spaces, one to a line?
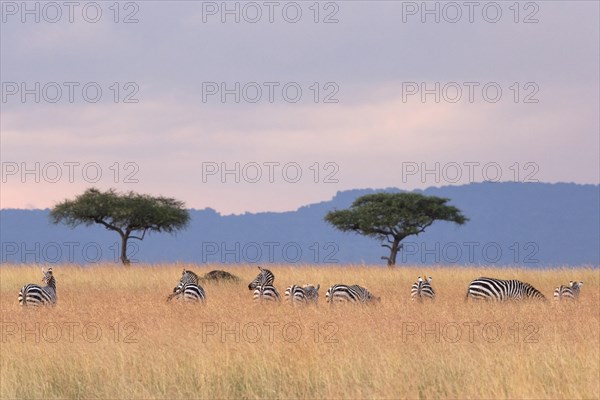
{"x":502,"y":290}
{"x":302,"y":294}
{"x":188,"y":289}
{"x":340,"y":293}
{"x":312,"y":293}
{"x":266,"y":293}
{"x":35,"y":295}
{"x":422,"y":289}
{"x":570,"y":292}
{"x":264,"y":277}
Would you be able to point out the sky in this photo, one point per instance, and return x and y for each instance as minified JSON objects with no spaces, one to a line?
{"x":268,"y":106}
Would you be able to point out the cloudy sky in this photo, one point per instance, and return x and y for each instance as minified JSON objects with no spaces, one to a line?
{"x":270,"y":106}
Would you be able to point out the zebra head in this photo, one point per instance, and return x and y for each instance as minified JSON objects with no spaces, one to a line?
{"x":188,"y":276}
{"x":48,"y":277}
{"x":264,"y":277}
{"x":309,"y":286}
{"x":576,"y":285}
{"x":373,"y":299}
{"x":370,"y":298}
{"x":176,"y":292}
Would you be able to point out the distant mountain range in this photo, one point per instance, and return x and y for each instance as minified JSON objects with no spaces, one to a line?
{"x":528,"y":224}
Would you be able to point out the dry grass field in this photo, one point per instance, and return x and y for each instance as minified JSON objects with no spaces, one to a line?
{"x":112,"y":335}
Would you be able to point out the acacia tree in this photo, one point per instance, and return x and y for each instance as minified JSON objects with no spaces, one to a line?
{"x":125,"y":214}
{"x":391,"y":217}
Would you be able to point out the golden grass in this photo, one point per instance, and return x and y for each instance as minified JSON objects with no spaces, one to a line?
{"x":112,"y":335}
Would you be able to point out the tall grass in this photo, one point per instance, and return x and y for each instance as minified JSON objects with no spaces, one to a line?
{"x":112,"y":335}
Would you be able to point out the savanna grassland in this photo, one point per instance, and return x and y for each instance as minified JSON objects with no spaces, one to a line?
{"x":112,"y":335}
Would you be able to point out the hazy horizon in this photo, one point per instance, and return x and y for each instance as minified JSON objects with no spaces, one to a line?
{"x":333,"y":196}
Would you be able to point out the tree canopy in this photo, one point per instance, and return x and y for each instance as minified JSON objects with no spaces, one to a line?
{"x":391,"y":217}
{"x":125,"y":214}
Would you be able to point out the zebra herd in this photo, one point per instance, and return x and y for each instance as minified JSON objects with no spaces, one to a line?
{"x":264,"y":291}
{"x":188,"y":289}
{"x":492,"y":289}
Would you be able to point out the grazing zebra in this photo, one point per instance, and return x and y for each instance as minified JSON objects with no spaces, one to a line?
{"x":502,"y":290}
{"x":266,"y":293}
{"x":188,"y":289}
{"x":35,"y":295}
{"x":302,"y":294}
{"x":344,"y":293}
{"x":422,"y":289}
{"x":570,"y":292}
{"x":312,"y":293}
{"x":264,"y":277}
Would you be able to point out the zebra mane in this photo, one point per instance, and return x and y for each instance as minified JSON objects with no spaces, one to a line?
{"x":264,"y":276}
{"x":188,"y":272}
{"x":264,"y":271}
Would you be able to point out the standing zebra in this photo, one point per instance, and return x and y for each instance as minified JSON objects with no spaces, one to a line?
{"x":570,"y":292}
{"x":263,"y":286}
{"x":264,"y":277}
{"x":266,"y":293}
{"x":502,"y":290}
{"x":35,"y":295}
{"x":422,"y":289}
{"x":302,"y":294}
{"x":344,"y":293}
{"x":188,"y":289}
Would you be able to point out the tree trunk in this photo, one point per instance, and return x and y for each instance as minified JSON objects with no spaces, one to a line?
{"x":124,"y":258}
{"x":393,"y":253}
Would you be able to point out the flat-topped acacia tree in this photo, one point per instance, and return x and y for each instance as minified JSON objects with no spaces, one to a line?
{"x":124,"y":213}
{"x":392,"y":217}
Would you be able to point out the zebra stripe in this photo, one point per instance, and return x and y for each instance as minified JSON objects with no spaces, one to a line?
{"x":266,"y":293}
{"x":188,"y":276}
{"x":190,"y":292}
{"x":295,"y":294}
{"x":570,"y":292}
{"x":422,"y":289}
{"x":264,"y":277}
{"x":35,"y":295}
{"x":302,"y":294}
{"x":188,"y":289}
{"x":502,"y":290}
{"x":340,"y":293}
